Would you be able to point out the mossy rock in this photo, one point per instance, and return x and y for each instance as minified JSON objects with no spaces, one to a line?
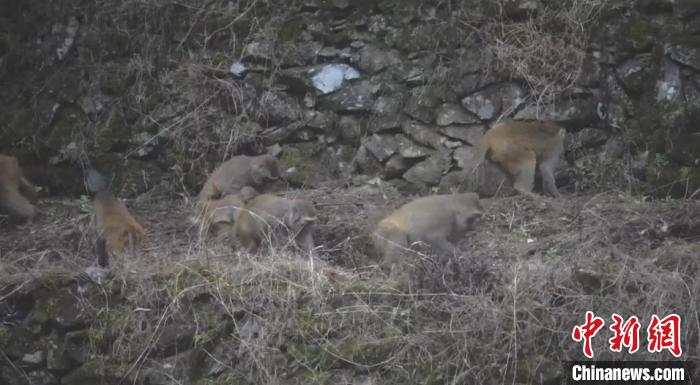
{"x":98,"y":371}
{"x":116,"y":78}
{"x":21,"y":125}
{"x":130,"y":177}
{"x":115,"y":133}
{"x":685,"y":149}
{"x":69,"y":123}
{"x":638,"y":34}
{"x":667,"y":179}
{"x":298,"y":160}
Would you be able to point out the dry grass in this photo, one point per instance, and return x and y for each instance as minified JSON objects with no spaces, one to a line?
{"x":544,"y":48}
{"x":500,"y":311}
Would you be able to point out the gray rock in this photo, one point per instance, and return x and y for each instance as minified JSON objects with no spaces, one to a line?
{"x":380,"y":146}
{"x":520,"y":8}
{"x":590,"y":71}
{"x":614,"y":148}
{"x":279,"y":108}
{"x":451,"y":113}
{"x":259,"y":51}
{"x":351,"y":128}
{"x":469,"y":134}
{"x":585,"y":138}
{"x":374,"y":58}
{"x":430,"y":171}
{"x":94,"y":181}
{"x":328,"y":53}
{"x":319,"y":120}
{"x":422,"y":133}
{"x":384,"y":122}
{"x":35,"y":358}
{"x":422,"y":102}
{"x":669,"y":88}
{"x":388,"y":104}
{"x":635,"y":73}
{"x":418,"y":70}
{"x":408,"y":149}
{"x":685,"y":50}
{"x":364,"y":162}
{"x":357,"y":97}
{"x":396,"y":166}
{"x":576,"y":112}
{"x":494,"y":100}
{"x":41,"y":377}
{"x":238,"y":69}
{"x":328,"y":78}
{"x":296,"y":80}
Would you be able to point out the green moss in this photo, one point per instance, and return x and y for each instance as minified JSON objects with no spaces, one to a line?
{"x":96,"y":372}
{"x":639,"y":34}
{"x":22,"y":123}
{"x":312,"y":377}
{"x":115,"y":131}
{"x":129,"y":177}
{"x":366,"y":350}
{"x":671,"y":180}
{"x":69,"y":122}
{"x":292,"y":28}
{"x":299,"y":159}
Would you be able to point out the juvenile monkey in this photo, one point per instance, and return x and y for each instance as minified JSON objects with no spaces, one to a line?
{"x":239,"y":171}
{"x":437,"y":220}
{"x":276,"y":218}
{"x":221,"y":213}
{"x":519,"y":147}
{"x":117,"y":231}
{"x":14,"y":190}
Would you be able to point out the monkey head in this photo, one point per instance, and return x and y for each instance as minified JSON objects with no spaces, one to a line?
{"x":265,"y":168}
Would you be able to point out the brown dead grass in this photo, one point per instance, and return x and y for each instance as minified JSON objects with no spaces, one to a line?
{"x":501,"y":309}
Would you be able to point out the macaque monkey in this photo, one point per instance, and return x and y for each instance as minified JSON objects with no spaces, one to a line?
{"x":14,"y":190}
{"x":240,"y":171}
{"x":220,"y":214}
{"x":276,"y":218}
{"x":436,"y":220}
{"x":117,"y":231}
{"x":519,"y":147}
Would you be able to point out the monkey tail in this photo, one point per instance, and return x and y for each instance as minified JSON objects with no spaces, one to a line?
{"x":101,"y":252}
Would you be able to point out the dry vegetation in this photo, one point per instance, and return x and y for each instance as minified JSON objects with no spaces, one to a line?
{"x":503,"y":307}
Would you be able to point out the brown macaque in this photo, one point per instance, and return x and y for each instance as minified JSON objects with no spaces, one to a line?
{"x":518,"y":148}
{"x":436,"y":220}
{"x":220,"y":214}
{"x":16,"y":192}
{"x":117,"y":230}
{"x":240,"y":171}
{"x":277,"y":219}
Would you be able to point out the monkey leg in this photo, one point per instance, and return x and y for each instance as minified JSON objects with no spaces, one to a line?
{"x":305,"y":238}
{"x":548,"y":183}
{"x":523,"y":171}
{"x":441,"y":245}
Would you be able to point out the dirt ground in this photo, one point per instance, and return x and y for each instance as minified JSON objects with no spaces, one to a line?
{"x":583,"y":230}
{"x":528,"y":273}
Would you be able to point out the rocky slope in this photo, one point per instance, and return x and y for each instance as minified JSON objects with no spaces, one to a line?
{"x":160,"y":92}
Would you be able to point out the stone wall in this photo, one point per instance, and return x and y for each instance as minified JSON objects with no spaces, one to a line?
{"x":149,"y":94}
